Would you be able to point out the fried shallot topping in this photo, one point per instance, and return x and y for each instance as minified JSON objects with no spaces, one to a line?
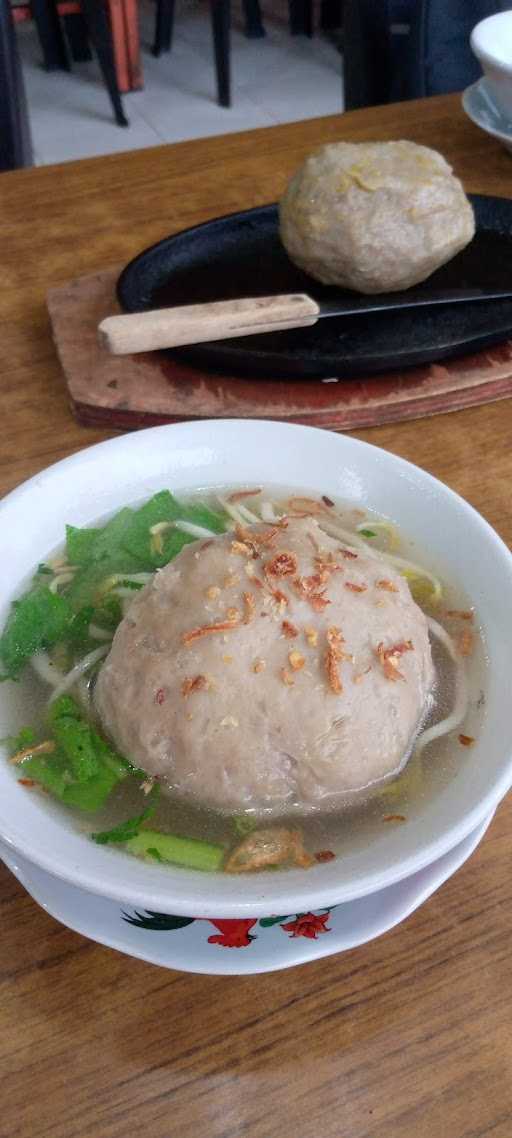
{"x":193,"y":684}
{"x":233,"y":620}
{"x":466,"y":740}
{"x":282,"y":565}
{"x":254,"y":539}
{"x":394,"y":818}
{"x":239,"y":495}
{"x":280,"y":598}
{"x":355,"y":588}
{"x":296,"y":660}
{"x":266,"y":847}
{"x":326,"y":563}
{"x":327,"y":501}
{"x":307,"y":588}
{"x":249,"y":607}
{"x":289,"y":630}
{"x":287,"y":678}
{"x":460,"y":614}
{"x":348,"y":554}
{"x":212,"y":592}
{"x":311,"y":635}
{"x":46,"y":748}
{"x":358,"y":679}
{"x":242,"y":548}
{"x":318,"y":602}
{"x":258,"y":666}
{"x":389,"y":658}
{"x":386,"y":585}
{"x":302,"y":507}
{"x":324,"y":855}
{"x":465,"y":642}
{"x":332,"y":658}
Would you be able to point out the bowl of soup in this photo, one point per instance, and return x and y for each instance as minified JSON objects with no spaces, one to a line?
{"x":251,"y":673}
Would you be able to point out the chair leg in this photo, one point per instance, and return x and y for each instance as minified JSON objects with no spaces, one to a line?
{"x":301,"y":17}
{"x":254,"y":29}
{"x":75,"y":28}
{"x":101,"y":39}
{"x":15,"y":143}
{"x":221,"y":26}
{"x":51,"y":38}
{"x":164,"y":25}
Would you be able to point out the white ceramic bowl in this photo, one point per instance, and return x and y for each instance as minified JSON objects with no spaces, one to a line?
{"x":491,"y":42}
{"x":204,"y":454}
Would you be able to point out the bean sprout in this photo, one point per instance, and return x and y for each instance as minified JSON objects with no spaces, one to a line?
{"x":247,"y":514}
{"x":232,"y":511}
{"x":46,"y":669}
{"x":193,"y":529}
{"x":60,"y":580}
{"x":97,"y":633}
{"x":68,"y":681}
{"x":461,"y":694}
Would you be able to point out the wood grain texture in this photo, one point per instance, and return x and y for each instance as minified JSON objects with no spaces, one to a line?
{"x":148,"y":389}
{"x":408,"y":1036}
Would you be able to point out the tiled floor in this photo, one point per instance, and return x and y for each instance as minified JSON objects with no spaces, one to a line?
{"x":277,"y":79}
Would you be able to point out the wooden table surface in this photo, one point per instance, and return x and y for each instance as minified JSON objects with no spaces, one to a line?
{"x":408,"y":1036}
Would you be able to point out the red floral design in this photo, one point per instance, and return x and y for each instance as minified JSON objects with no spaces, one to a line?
{"x":307,"y":924}
{"x":232,"y":934}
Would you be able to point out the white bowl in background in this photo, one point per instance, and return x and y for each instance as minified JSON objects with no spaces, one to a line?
{"x":491,"y":42}
{"x":101,"y":479}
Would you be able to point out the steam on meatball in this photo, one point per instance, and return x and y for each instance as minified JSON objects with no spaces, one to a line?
{"x":272,"y":670}
{"x":375,"y":216}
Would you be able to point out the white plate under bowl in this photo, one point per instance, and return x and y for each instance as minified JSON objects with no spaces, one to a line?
{"x":457,"y":541}
{"x":236,"y":948}
{"x":480,"y":107}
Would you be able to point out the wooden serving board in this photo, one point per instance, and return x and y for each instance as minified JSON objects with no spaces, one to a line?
{"x":145,"y":390}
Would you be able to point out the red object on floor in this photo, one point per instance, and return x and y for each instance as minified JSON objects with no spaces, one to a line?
{"x":124,"y":23}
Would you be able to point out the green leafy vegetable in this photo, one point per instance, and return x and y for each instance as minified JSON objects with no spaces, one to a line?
{"x":367,"y":533}
{"x":36,"y":621}
{"x":77,"y":632}
{"x":202,"y":515}
{"x":75,"y":739}
{"x":125,"y":830}
{"x":83,"y":770}
{"x":189,"y":852}
{"x":80,"y":544}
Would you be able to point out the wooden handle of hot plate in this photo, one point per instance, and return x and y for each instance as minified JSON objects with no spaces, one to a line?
{"x":198,"y":323}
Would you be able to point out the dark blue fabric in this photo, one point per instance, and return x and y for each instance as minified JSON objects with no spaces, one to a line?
{"x":382,"y":64}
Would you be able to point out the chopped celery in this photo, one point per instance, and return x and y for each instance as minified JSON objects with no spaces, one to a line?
{"x":38,"y":620}
{"x":75,"y":739}
{"x":189,"y":852}
{"x":77,"y":632}
{"x":93,"y":794}
{"x":50,"y":771}
{"x":64,"y":705}
{"x":84,"y":769}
